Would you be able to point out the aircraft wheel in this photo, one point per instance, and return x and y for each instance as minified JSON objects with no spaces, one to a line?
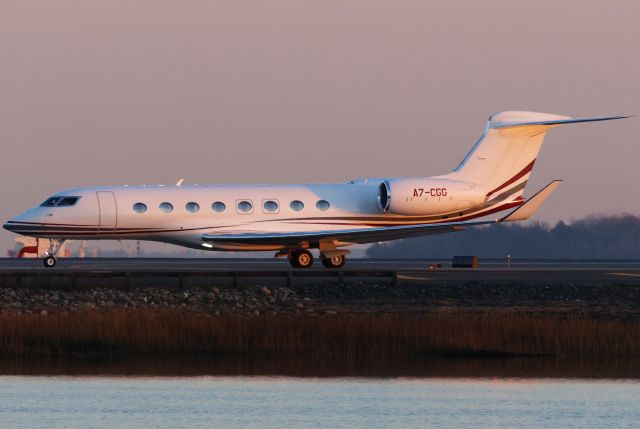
{"x":49,"y":261}
{"x":334,"y":262}
{"x":301,"y":259}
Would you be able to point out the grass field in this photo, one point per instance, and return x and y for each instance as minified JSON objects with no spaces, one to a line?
{"x":370,"y":338}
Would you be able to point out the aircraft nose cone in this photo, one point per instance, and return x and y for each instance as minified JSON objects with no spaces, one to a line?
{"x":12,"y":225}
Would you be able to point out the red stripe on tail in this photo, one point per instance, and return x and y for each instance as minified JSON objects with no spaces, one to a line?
{"x":521,"y":174}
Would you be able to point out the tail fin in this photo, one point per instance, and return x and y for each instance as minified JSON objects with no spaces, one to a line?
{"x":503,"y":157}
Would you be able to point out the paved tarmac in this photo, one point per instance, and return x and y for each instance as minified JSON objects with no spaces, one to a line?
{"x":568,"y":272}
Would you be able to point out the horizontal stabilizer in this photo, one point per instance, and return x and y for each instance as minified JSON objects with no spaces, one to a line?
{"x":532,"y":205}
{"x":558,"y":120}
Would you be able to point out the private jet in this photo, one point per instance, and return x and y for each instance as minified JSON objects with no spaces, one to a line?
{"x":292,"y":219}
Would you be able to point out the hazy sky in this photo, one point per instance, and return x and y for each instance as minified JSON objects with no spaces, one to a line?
{"x":111,"y":92}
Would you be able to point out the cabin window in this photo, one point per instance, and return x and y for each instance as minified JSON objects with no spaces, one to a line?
{"x":192,"y":207}
{"x":139,"y":207}
{"x":218,"y":206}
{"x":244,"y":206}
{"x":323,"y":205}
{"x":270,"y":206}
{"x":296,"y":205}
{"x":166,"y":207}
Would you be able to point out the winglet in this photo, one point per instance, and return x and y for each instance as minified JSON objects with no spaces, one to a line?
{"x":526,"y":210}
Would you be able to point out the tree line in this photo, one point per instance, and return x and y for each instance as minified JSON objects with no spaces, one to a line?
{"x":594,"y":237}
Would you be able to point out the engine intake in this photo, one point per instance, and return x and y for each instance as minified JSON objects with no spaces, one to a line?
{"x":384,"y":196}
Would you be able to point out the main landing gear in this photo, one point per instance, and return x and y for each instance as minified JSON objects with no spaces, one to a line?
{"x":334,"y":261}
{"x":50,"y":259}
{"x":301,"y":259}
{"x":304,"y":259}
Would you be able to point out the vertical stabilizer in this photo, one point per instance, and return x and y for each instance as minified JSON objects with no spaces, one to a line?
{"x":503,"y":158}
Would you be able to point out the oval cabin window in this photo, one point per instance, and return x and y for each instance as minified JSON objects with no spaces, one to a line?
{"x":166,"y":207}
{"x":139,"y":207}
{"x":192,"y":207}
{"x":270,"y":206}
{"x":218,"y":206}
{"x":323,"y":205}
{"x":245,"y":207}
{"x":296,"y":205}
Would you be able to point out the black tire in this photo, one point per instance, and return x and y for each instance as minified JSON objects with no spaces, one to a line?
{"x":49,"y":261}
{"x":335,"y":262}
{"x":301,"y":259}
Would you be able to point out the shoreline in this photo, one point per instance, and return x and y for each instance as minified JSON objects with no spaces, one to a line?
{"x":300,"y":367}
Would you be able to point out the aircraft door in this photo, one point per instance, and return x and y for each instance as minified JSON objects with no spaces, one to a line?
{"x":108,"y":214}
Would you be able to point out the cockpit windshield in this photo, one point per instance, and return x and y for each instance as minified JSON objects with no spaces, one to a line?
{"x":67,"y":201}
{"x":60,"y":202}
{"x":51,"y":202}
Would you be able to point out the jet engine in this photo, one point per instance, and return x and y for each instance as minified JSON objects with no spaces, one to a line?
{"x":424,"y":196}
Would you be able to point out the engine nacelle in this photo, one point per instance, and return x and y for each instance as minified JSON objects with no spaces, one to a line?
{"x":423,"y":196}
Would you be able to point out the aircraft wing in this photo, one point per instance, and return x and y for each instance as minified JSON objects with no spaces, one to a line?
{"x":373,"y":235}
{"x":356,"y":235}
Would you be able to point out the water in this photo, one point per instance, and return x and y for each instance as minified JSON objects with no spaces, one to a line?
{"x":272,"y":401}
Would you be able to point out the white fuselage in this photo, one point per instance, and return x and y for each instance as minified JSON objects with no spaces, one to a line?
{"x":108,"y":212}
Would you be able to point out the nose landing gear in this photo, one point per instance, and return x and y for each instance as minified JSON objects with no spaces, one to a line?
{"x":50,"y":259}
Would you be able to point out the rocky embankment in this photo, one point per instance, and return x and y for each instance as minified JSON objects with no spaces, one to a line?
{"x":615,"y":302}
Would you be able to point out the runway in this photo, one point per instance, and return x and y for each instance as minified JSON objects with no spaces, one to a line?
{"x":411,"y":271}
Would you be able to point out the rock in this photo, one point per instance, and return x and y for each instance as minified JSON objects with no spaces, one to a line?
{"x":299,"y":305}
{"x":43,"y":313}
{"x":265,"y":290}
{"x":256,"y":313}
{"x":285,"y":291}
{"x":216,"y":290}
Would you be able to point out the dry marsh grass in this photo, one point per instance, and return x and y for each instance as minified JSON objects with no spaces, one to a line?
{"x":369,"y":338}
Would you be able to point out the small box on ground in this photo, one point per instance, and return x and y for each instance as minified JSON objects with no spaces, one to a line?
{"x":465,"y":262}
